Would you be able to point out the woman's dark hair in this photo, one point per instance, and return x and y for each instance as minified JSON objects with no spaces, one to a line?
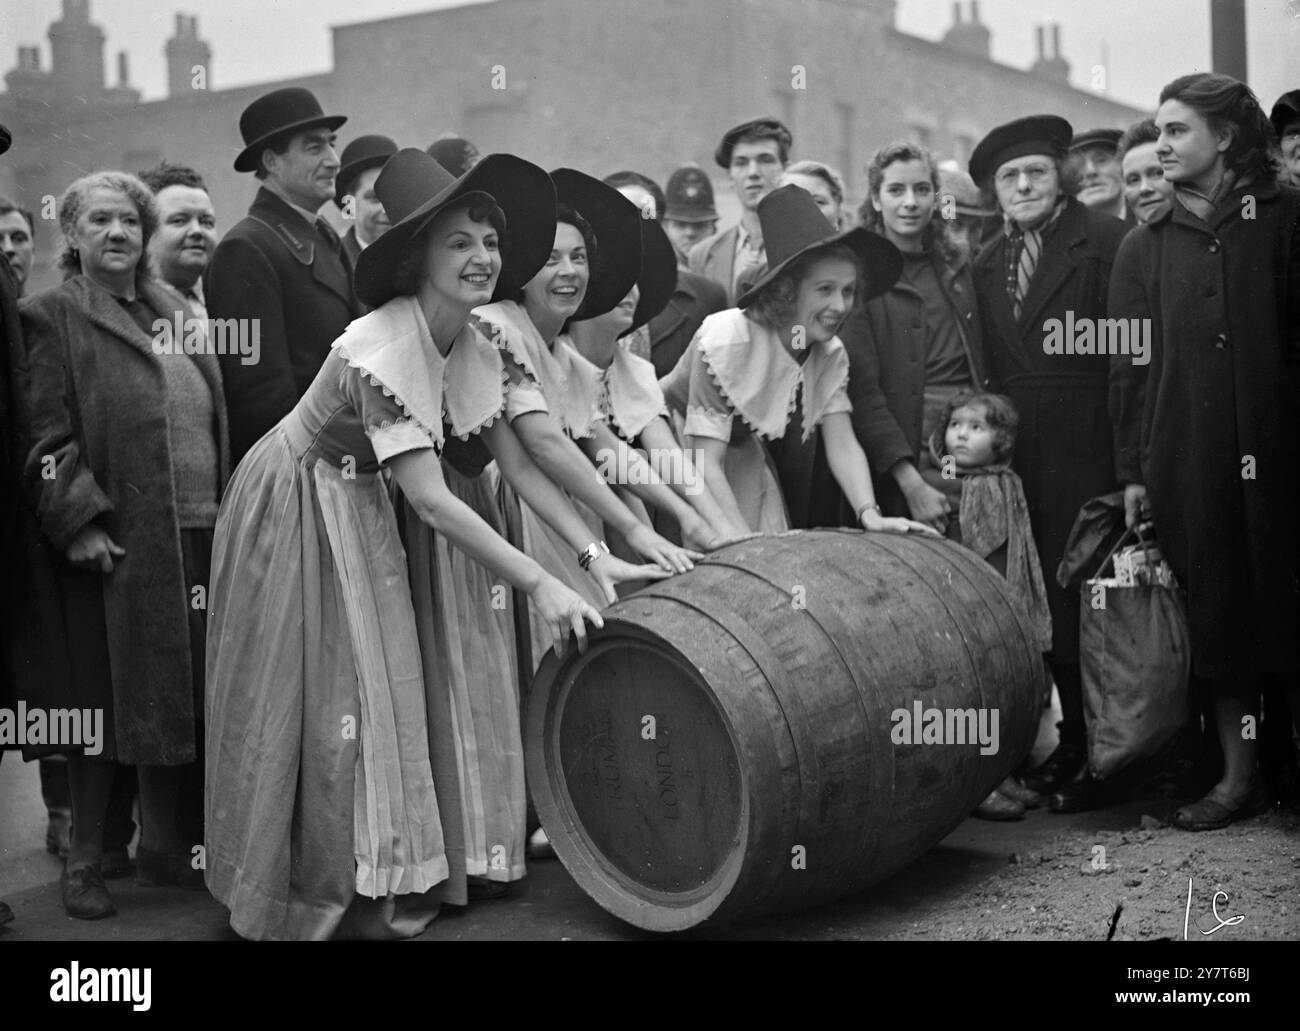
{"x":999,"y":413}
{"x":1145,"y":131}
{"x":936,"y":236}
{"x":74,"y":201}
{"x":409,"y":269}
{"x":1230,"y":106}
{"x":774,"y":304}
{"x":566,"y":215}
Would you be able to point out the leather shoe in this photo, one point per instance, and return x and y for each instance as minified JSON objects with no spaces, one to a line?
{"x":155,"y":869}
{"x":1209,"y":814}
{"x":116,"y":864}
{"x":998,"y":807}
{"x":1013,"y":789}
{"x":84,"y":894}
{"x":1058,"y":770}
{"x":6,"y":913}
{"x":480,"y":889}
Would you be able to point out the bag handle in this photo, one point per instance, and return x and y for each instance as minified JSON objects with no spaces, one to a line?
{"x":1124,"y":538}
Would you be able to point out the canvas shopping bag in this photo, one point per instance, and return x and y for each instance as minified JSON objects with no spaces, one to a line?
{"x":1135,"y":658}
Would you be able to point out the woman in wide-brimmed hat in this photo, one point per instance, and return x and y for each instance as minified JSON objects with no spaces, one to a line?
{"x":776,"y":348}
{"x":593,"y":264}
{"x":322,"y":813}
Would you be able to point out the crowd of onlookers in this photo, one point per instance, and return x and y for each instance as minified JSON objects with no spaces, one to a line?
{"x":924,"y":400}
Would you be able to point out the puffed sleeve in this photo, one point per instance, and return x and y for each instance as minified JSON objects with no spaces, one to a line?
{"x":390,"y":430}
{"x":708,"y":413}
{"x":62,"y":486}
{"x":523,"y":393}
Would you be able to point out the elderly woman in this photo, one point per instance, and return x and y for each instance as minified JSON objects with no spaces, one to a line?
{"x":127,"y":462}
{"x":779,"y":347}
{"x":323,"y":817}
{"x":1206,"y":432}
{"x":1051,"y":263}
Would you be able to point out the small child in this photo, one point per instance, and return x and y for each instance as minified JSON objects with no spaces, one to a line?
{"x":973,"y":468}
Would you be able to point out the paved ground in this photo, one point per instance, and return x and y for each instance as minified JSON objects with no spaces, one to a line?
{"x":1043,"y":878}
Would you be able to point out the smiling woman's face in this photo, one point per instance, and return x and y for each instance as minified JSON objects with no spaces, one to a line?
{"x":108,"y":236}
{"x":558,"y":289}
{"x":462,"y":259}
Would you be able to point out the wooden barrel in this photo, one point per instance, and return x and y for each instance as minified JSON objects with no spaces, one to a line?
{"x":760,"y":734}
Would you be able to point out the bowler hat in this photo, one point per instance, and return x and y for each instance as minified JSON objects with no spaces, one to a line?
{"x":5,"y":139}
{"x":1037,"y":134}
{"x":414,"y":188}
{"x":732,"y":136}
{"x":455,"y":154}
{"x":658,"y":278}
{"x":362,"y":153}
{"x":1108,"y":138}
{"x":1287,"y":109}
{"x":275,"y":115}
{"x":793,"y":225}
{"x":616,"y":222}
{"x":690,"y":196}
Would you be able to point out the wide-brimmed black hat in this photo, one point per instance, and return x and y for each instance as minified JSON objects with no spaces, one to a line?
{"x":362,"y":153}
{"x":1287,"y":109}
{"x":690,"y":196}
{"x":6,"y":139}
{"x":1037,"y":134}
{"x":1108,"y":138}
{"x":616,"y":222}
{"x":732,"y":136}
{"x":275,"y":115}
{"x":414,"y":188}
{"x":793,"y":225}
{"x":658,"y":278}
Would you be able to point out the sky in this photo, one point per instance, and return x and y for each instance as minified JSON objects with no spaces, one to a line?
{"x":1140,"y":44}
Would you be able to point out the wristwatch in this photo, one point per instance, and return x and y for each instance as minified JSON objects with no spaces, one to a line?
{"x":591,"y":552}
{"x":864,"y":508}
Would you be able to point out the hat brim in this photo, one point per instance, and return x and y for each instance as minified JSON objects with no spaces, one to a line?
{"x":616,"y":222}
{"x":248,"y":157}
{"x":6,"y":140}
{"x":882,"y":263}
{"x":350,"y":171}
{"x":522,"y":190}
{"x":1035,"y":134}
{"x":1286,"y":110}
{"x":692,"y":215}
{"x":658,"y":279}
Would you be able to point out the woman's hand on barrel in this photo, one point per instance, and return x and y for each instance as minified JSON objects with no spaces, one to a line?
{"x":875,"y":522}
{"x":668,"y":556}
{"x":608,"y":571}
{"x":699,"y":534}
{"x":928,"y":506}
{"x":565,"y":612}
{"x":93,"y":549}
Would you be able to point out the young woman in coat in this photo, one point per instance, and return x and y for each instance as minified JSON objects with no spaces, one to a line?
{"x":1206,"y":433}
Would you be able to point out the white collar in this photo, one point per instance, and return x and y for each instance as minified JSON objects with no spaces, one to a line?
{"x":631,"y":397}
{"x":759,"y":378}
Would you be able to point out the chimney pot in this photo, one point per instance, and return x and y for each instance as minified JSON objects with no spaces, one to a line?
{"x":974,"y":11}
{"x":1056,"y":40}
{"x":1038,"y":35}
{"x":956,"y":12}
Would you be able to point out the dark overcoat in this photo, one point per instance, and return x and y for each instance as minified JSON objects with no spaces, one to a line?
{"x":275,"y":267}
{"x":1063,"y":451}
{"x":887,"y":374}
{"x":1210,"y":425}
{"x":99,"y":452}
{"x":671,"y":331}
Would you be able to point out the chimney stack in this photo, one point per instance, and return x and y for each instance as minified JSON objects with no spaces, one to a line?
{"x":1054,"y":67}
{"x":123,"y":71}
{"x":968,"y":36}
{"x":185,"y":52}
{"x":77,"y":52}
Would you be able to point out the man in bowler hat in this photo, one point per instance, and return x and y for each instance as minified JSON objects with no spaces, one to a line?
{"x":754,"y":154}
{"x":363,"y":159}
{"x":282,"y":265}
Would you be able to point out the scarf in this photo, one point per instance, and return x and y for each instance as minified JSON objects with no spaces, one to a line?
{"x":1024,"y":249}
